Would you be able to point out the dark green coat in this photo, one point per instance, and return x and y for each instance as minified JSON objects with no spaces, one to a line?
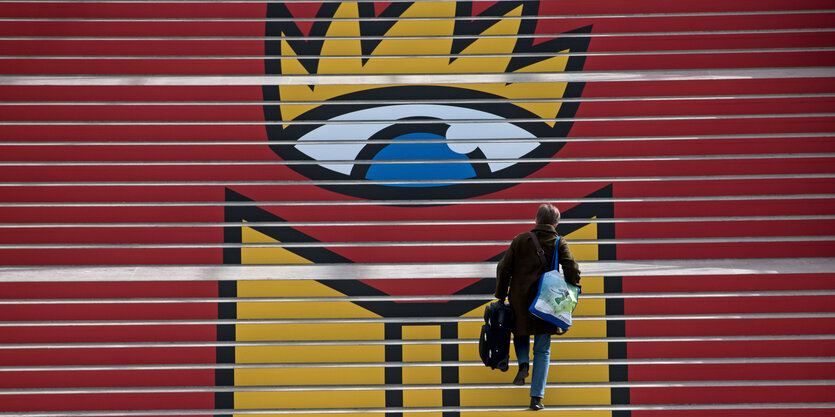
{"x":519,"y":269}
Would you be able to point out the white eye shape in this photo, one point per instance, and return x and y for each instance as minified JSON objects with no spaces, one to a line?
{"x":346,"y":131}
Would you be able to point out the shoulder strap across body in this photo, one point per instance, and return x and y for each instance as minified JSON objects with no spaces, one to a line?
{"x":541,"y":253}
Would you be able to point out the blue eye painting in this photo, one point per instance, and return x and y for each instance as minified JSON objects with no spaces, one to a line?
{"x":420,"y":142}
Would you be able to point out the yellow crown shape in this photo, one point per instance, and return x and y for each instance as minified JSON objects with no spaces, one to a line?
{"x":438,"y":41}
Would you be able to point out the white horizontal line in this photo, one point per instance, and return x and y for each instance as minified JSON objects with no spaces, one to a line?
{"x":419,"y":202}
{"x":407,"y":342}
{"x":339,"y":223}
{"x":425,"y":161}
{"x":411,"y":387}
{"x":349,"y":271}
{"x":354,"y":299}
{"x":410,"y":410}
{"x":417,"y":101}
{"x":395,"y":364}
{"x":406,"y":18}
{"x":402,"y":121}
{"x":373,"y":79}
{"x":409,"y":320}
{"x":416,"y":244}
{"x":173,"y":183}
{"x":785,"y":136}
{"x":420,"y":56}
{"x":414,"y":37}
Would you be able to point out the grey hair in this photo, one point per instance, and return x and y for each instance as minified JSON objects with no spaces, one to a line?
{"x":547,"y":214}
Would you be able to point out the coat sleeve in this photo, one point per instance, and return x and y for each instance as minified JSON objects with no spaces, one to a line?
{"x":570,"y":269}
{"x":504,"y":271}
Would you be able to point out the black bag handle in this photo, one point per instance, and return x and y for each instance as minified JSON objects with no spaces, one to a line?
{"x":541,"y":253}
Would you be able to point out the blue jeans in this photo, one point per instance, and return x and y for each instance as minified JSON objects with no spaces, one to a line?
{"x":541,"y":359}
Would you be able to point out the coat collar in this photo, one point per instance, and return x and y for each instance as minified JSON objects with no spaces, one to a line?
{"x":544,"y":228}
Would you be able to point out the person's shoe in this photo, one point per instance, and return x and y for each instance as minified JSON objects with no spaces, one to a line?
{"x":522,"y":374}
{"x":536,"y":404}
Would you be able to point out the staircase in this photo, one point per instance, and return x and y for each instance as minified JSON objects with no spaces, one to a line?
{"x":298,"y":347}
{"x":264,"y":208}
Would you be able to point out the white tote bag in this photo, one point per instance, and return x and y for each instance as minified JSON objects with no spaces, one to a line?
{"x":556,"y":299}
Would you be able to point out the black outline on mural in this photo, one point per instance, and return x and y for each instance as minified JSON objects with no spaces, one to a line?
{"x":309,"y":51}
{"x":253,"y":213}
{"x":304,"y":48}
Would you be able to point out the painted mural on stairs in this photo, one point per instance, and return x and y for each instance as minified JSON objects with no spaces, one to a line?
{"x":458,"y":127}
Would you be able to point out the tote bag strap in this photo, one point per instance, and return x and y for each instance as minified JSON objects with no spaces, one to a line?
{"x":541,"y":253}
